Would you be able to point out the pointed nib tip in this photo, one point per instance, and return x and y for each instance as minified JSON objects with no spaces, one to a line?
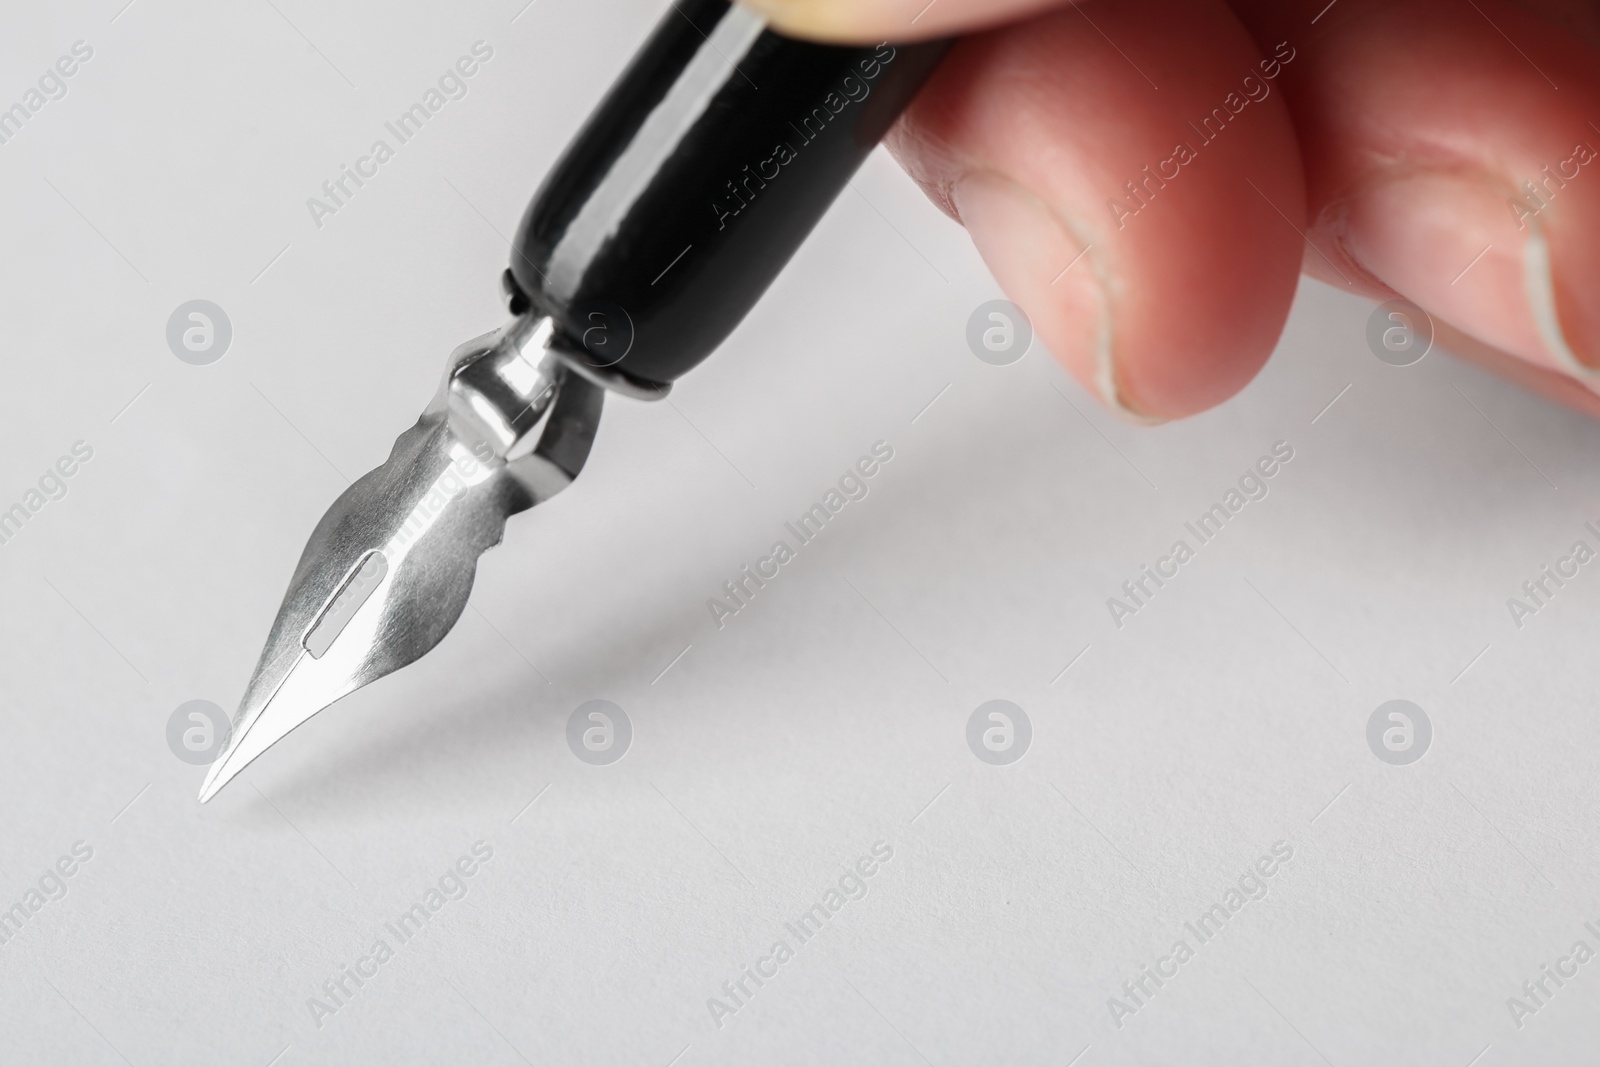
{"x":226,"y":766}
{"x":309,"y":687}
{"x":215,"y":780}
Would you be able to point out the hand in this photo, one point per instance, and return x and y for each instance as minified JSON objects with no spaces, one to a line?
{"x":1147,"y":178}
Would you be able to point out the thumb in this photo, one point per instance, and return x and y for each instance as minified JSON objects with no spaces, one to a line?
{"x":869,"y":21}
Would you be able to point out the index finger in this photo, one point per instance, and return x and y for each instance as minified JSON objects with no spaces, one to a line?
{"x":870,"y":21}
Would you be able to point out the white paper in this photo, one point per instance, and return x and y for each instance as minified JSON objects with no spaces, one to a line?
{"x":826,"y":718}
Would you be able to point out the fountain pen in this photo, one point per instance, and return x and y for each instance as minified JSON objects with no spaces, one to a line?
{"x":679,"y":201}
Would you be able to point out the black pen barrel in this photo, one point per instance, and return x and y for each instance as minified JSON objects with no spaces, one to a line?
{"x":697,"y":178}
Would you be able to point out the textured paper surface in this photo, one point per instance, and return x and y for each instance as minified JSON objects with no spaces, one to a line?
{"x":827,"y":718}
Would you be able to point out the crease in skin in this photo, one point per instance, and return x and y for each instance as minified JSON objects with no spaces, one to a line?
{"x":1538,"y":281}
{"x":1107,"y":382}
{"x":943,"y":192}
{"x":1538,"y":270}
{"x":938,"y":157}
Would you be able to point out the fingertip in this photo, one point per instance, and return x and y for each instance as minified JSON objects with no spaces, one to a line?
{"x":1033,"y":136}
{"x":874,"y":21}
{"x":1459,"y":174}
{"x":822,"y":20}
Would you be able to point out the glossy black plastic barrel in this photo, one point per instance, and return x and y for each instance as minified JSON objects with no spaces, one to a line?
{"x":697,"y":178}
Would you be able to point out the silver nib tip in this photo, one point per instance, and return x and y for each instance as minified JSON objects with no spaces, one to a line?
{"x":388,"y":570}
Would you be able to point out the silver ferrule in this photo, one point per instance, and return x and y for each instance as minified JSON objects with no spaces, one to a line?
{"x":497,"y":394}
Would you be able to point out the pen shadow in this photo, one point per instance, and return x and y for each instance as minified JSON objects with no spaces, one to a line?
{"x":367,"y":763}
{"x":374,"y":759}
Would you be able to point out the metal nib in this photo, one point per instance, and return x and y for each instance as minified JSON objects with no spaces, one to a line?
{"x":389,"y":568}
